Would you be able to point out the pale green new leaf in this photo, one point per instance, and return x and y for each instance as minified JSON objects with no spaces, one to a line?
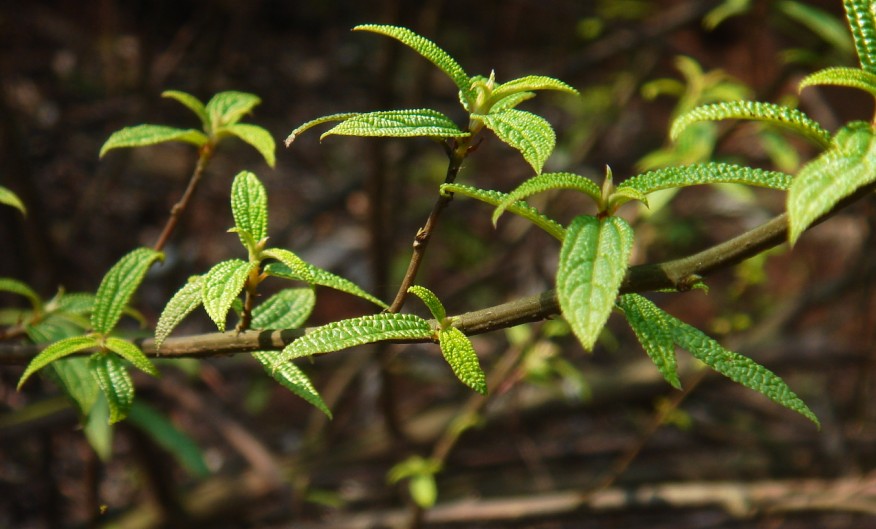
{"x":260,"y":139}
{"x":862,"y":21}
{"x":292,"y":378}
{"x":192,"y":103}
{"x":511,"y":101}
{"x":547,"y":182}
{"x":398,"y":124}
{"x":180,"y":305}
{"x":226,"y":108}
{"x":7,"y":284}
{"x":11,"y":199}
{"x":770,"y":113}
{"x":654,"y":333}
{"x":143,"y":135}
{"x":836,"y":174}
{"x":622,"y":195}
{"x":115,"y":382}
{"x":520,"y":208}
{"x":131,"y":353}
{"x":287,"y":309}
{"x":706,"y":173}
{"x":737,"y":368}
{"x":56,"y":351}
{"x":530,"y":134}
{"x":249,"y":206}
{"x":460,"y":355}
{"x":327,"y":279}
{"x":430,"y":300}
{"x":318,"y":121}
{"x":839,"y":76}
{"x":592,"y":264}
{"x":358,"y":331}
{"x":528,"y":84}
{"x":79,"y":303}
{"x":426,"y":48}
{"x":166,"y":435}
{"x":118,"y":285}
{"x":221,"y":286}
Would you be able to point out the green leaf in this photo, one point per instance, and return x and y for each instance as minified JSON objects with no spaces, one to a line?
{"x":221,"y":286}
{"x":547,"y":182}
{"x":257,"y":137}
{"x":622,"y":195}
{"x":430,"y":300}
{"x":180,"y":305}
{"x":131,"y":353}
{"x":192,"y":103}
{"x":292,"y":378}
{"x":7,"y":284}
{"x":654,"y":333}
{"x":226,"y":108}
{"x":737,"y":368}
{"x":820,"y":22}
{"x":862,"y":21}
{"x":460,"y":355}
{"x":80,"y":303}
{"x":287,"y":309}
{"x":528,"y":84}
{"x":521,"y":208}
{"x":358,"y":331}
{"x":511,"y":101}
{"x":97,"y":428}
{"x":706,"y":173}
{"x":318,"y":121}
{"x":166,"y":435}
{"x":249,"y":205}
{"x":398,"y":124}
{"x":848,"y":77}
{"x":770,"y":113}
{"x":592,"y":264}
{"x":727,"y":9}
{"x":143,"y":135}
{"x":118,"y":285}
{"x":530,"y":134}
{"x":115,"y":382}
{"x":11,"y":199}
{"x":74,"y":377}
{"x":426,"y":48}
{"x":849,"y":165}
{"x":424,"y":490}
{"x":56,"y":351}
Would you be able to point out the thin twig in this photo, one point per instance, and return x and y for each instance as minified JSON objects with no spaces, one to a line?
{"x":204,"y":155}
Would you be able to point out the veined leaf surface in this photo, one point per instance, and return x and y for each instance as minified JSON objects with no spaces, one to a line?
{"x":192,"y":103}
{"x":654,"y":333}
{"x":56,"y":351}
{"x":530,"y":134}
{"x":530,"y":83}
{"x":131,"y":353}
{"x":226,"y":108}
{"x":249,"y":206}
{"x":511,"y":101}
{"x":399,"y":124}
{"x":460,"y":355}
{"x":593,"y":261}
{"x":257,"y":137}
{"x":706,"y":173}
{"x":840,"y":76}
{"x":862,"y":21}
{"x":180,"y":305}
{"x":142,"y":135}
{"x":318,"y":121}
{"x":292,"y":378}
{"x":118,"y":285}
{"x":115,"y":382}
{"x":287,"y":309}
{"x":430,"y":300}
{"x":221,"y":286}
{"x":546,"y":182}
{"x":11,"y":199}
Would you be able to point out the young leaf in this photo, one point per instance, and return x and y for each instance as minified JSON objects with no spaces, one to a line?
{"x":221,"y":286}
{"x":7,"y":284}
{"x":115,"y":382}
{"x":11,"y":199}
{"x":166,"y":435}
{"x":131,"y":353}
{"x":834,"y":175}
{"x":530,"y":134}
{"x":862,"y":21}
{"x":546,"y":182}
{"x":511,"y":101}
{"x":426,"y":48}
{"x":358,"y":331}
{"x":398,"y":124}
{"x":249,"y":206}
{"x":654,"y":333}
{"x":737,"y":368}
{"x":226,"y":108}
{"x":318,"y":121}
{"x":521,"y":208}
{"x":257,"y":137}
{"x":292,"y":378}
{"x":287,"y":309}
{"x":192,"y":103}
{"x":56,"y":351}
{"x":706,"y":173}
{"x":180,"y":305}
{"x":430,"y":300}
{"x":460,"y":355}
{"x":755,"y":110}
{"x":118,"y":285}
{"x":142,"y":135}
{"x":528,"y":84}
{"x":849,"y":77}
{"x":592,"y":264}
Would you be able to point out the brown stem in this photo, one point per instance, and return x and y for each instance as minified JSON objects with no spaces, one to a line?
{"x":204,"y":155}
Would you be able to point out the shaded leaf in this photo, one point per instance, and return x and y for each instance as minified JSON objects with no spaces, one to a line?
{"x":131,"y":353}
{"x":166,"y":435}
{"x":118,"y":285}
{"x":260,"y":139}
{"x":249,"y":206}
{"x":706,"y":173}
{"x":11,"y":199}
{"x":7,"y":284}
{"x":820,"y":22}
{"x":180,"y":305}
{"x":143,"y":135}
{"x":192,"y":103}
{"x":530,"y":134}
{"x":74,"y":377}
{"x":287,"y":309}
{"x":226,"y":108}
{"x":398,"y":124}
{"x":292,"y":378}
{"x":221,"y":286}
{"x":114,"y":382}
{"x":97,"y":428}
{"x":460,"y":355}
{"x":547,"y":182}
{"x":56,"y":351}
{"x":654,"y":332}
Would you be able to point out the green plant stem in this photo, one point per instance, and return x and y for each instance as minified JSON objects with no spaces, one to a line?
{"x":204,"y":155}
{"x":456,"y":152}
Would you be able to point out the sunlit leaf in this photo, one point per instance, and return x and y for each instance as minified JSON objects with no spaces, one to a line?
{"x":530,"y":83}
{"x":249,"y":205}
{"x":654,"y":333}
{"x":862,"y":21}
{"x":192,"y":103}
{"x":547,"y":182}
{"x":56,"y":351}
{"x":143,"y":135}
{"x":287,"y":309}
{"x":530,"y":134}
{"x":848,"y":77}
{"x":399,"y":124}
{"x":131,"y":353}
{"x":118,"y":285}
{"x":11,"y":199}
{"x":511,"y":101}
{"x":7,"y":284}
{"x":706,"y":173}
{"x":180,"y":305}
{"x":292,"y":378}
{"x":115,"y":382}
{"x":221,"y":286}
{"x":430,"y":300}
{"x":460,"y":355}
{"x":226,"y":108}
{"x":260,"y":139}
{"x":318,"y":121}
